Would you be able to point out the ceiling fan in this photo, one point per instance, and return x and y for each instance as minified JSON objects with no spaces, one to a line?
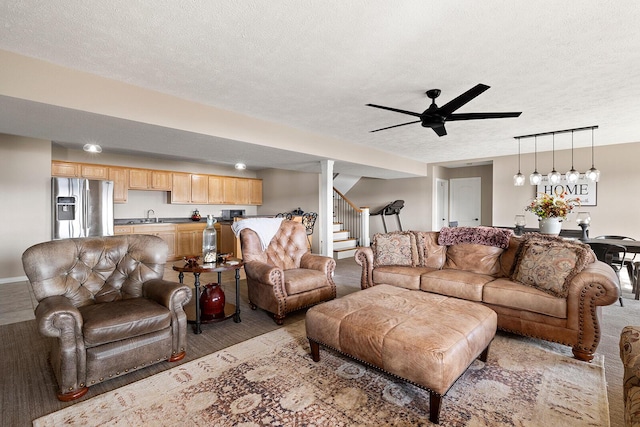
{"x":434,"y":117}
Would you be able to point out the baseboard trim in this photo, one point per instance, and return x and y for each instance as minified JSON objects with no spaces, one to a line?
{"x":13,"y":279}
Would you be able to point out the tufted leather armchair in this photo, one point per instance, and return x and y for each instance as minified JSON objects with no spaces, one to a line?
{"x":286,"y":276}
{"x":105,"y":301}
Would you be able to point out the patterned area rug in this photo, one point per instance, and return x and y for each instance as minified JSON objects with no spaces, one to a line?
{"x":271,"y":381}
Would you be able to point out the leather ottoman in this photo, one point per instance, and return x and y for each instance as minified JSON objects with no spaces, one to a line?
{"x":426,"y":339}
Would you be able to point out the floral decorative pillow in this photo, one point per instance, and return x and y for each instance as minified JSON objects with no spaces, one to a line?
{"x":396,"y":248}
{"x":550,"y":264}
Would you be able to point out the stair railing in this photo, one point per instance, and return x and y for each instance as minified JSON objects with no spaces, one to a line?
{"x":353,"y":218}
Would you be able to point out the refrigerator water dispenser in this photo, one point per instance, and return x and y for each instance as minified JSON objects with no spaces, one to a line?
{"x":65,"y":208}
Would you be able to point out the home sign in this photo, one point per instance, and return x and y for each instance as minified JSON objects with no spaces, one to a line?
{"x":585,"y":189}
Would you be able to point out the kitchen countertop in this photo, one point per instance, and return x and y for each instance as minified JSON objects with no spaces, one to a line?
{"x":144,"y":221}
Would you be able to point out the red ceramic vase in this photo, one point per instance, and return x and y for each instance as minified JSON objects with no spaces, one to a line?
{"x":212,"y":302}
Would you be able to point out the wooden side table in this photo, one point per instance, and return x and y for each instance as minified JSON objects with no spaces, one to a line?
{"x":230,"y":310}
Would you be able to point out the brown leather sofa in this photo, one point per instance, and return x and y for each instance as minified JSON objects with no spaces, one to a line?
{"x":285,"y":277}
{"x":484,"y":274}
{"x":630,"y":356}
{"x":105,"y":302}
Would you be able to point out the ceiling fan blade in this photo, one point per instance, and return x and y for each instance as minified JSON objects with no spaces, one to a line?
{"x":458,"y":102}
{"x":474,"y":116}
{"x":411,"y":113}
{"x":395,"y":126}
{"x":440,"y":130}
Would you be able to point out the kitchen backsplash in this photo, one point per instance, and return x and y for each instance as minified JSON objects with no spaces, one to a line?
{"x":139,"y":202}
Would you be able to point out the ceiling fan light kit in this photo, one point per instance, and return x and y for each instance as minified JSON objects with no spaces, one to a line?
{"x":435,"y":117}
{"x":572,"y":176}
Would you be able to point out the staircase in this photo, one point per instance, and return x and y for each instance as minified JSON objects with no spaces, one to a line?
{"x":344,"y":246}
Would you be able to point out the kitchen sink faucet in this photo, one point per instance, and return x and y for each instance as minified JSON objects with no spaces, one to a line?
{"x":149,"y":215}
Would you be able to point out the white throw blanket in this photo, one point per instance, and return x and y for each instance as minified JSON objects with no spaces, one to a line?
{"x":265,"y":228}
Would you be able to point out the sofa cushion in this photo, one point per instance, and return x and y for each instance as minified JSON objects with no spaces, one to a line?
{"x":455,"y":283}
{"x":299,"y":280}
{"x":119,"y":320}
{"x":430,"y":253}
{"x":507,"y":293}
{"x":550,"y":264}
{"x":402,"y":277}
{"x":475,"y":258}
{"x":396,"y":248}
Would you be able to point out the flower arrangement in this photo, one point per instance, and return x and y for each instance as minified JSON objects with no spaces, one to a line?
{"x":552,"y":206}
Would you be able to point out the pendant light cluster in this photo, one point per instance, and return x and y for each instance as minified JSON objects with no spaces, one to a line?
{"x":572,"y":176}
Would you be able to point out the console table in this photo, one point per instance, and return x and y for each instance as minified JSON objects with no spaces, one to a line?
{"x":230,"y":310}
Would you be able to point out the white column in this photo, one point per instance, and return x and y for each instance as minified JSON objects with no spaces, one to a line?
{"x":365,"y":240}
{"x":325,"y":216}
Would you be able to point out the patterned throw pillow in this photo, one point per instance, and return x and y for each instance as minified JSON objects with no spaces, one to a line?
{"x":550,"y":264}
{"x":396,"y":248}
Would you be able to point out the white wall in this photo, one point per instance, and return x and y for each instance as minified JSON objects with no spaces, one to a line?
{"x":25,"y":209}
{"x":284,"y":191}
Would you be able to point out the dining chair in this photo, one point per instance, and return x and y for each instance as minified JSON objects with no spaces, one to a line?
{"x":606,"y":253}
{"x":627,"y":261}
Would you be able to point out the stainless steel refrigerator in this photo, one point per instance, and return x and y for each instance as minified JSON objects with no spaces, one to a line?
{"x":81,"y":207}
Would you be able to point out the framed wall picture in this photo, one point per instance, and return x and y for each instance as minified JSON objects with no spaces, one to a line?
{"x":585,"y":189}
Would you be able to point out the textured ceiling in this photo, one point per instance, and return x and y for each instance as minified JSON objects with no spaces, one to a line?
{"x":313,"y":65}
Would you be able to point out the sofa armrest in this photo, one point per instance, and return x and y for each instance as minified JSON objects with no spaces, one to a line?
{"x":264,"y":273}
{"x":168,"y":294}
{"x":318,"y":262}
{"x":57,"y":317}
{"x":364,"y":258}
{"x":596,"y":285}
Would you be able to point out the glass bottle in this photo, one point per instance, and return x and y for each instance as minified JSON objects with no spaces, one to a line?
{"x":209,"y":243}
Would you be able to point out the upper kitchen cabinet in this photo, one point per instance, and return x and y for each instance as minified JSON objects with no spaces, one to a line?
{"x":216,"y":190}
{"x":145,"y":179}
{"x":79,"y":170}
{"x":65,"y":169}
{"x":94,"y":171}
{"x":119,"y":176}
{"x":226,"y":190}
{"x":248,"y":191}
{"x":189,"y":188}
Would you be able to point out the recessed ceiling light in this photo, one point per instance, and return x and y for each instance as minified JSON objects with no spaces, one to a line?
{"x":92,"y":148}
{"x":240,"y":166}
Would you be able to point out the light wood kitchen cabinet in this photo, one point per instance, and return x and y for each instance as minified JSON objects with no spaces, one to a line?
{"x":229,"y":186}
{"x":199,"y":189}
{"x":216,"y":190}
{"x":255,"y":191}
{"x":166,"y":232}
{"x":147,"y":179}
{"x":189,"y":238}
{"x":190,"y":188}
{"x":94,"y":171}
{"x":248,"y":191}
{"x":119,"y":176}
{"x":139,"y":179}
{"x":181,"y":188}
{"x":65,"y":169}
{"x":226,"y":239}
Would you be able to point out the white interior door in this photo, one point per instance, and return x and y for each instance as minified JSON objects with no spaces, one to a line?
{"x":442,"y":204}
{"x":466,"y":201}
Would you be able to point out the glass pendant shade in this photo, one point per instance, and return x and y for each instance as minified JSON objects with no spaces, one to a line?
{"x":518,"y":179}
{"x":593,"y":174}
{"x":572,"y":176}
{"x":535,"y":178}
{"x":554,"y":177}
